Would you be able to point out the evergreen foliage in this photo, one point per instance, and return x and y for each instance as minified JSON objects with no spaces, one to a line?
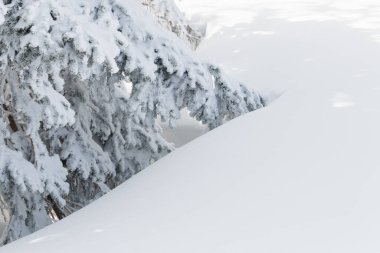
{"x":69,"y":129}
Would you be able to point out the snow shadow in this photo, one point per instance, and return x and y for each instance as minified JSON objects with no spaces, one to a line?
{"x":186,"y":130}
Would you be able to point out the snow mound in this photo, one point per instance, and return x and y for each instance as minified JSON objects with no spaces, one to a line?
{"x":280,"y":183}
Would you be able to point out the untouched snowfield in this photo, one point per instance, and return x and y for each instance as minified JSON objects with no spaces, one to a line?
{"x":301,"y":175}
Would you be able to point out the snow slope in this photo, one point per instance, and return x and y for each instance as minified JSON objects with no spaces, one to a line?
{"x":301,"y":175}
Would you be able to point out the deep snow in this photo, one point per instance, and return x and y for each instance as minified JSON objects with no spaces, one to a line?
{"x":301,"y":175}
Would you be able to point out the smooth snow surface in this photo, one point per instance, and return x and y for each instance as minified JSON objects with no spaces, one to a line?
{"x":301,"y":175}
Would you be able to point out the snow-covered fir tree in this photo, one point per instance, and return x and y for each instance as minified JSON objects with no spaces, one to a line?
{"x":69,"y":128}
